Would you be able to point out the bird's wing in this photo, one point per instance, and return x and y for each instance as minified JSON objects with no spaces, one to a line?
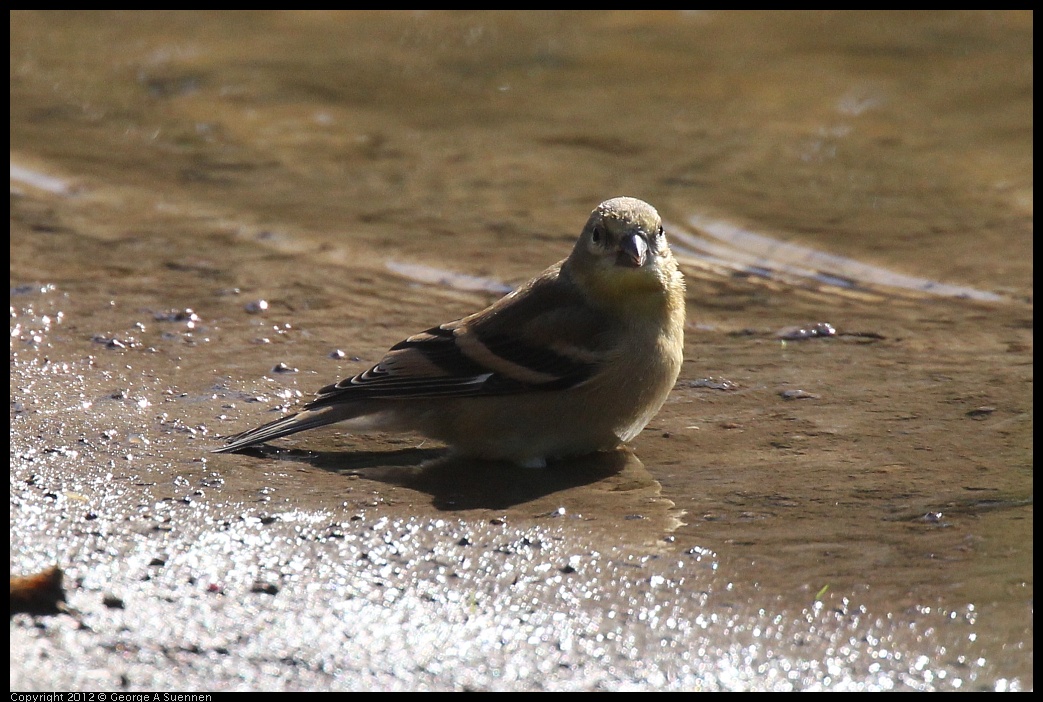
{"x":545,"y":336}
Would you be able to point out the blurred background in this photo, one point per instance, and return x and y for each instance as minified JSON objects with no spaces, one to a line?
{"x":197,"y":197}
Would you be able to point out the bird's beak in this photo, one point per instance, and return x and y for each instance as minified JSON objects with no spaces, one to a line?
{"x":633,"y":251}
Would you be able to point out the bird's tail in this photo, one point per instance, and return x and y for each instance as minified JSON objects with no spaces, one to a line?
{"x":291,"y":424}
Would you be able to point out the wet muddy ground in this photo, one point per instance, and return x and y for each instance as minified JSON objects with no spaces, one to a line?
{"x":197,"y":199}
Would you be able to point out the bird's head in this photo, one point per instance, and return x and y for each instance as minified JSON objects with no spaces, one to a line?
{"x":623,"y":248}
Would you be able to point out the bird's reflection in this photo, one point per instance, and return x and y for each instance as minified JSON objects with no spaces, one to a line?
{"x":460,"y":483}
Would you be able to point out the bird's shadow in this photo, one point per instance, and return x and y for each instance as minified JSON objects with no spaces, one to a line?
{"x":459,"y":483}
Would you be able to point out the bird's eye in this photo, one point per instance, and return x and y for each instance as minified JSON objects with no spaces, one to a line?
{"x":659,"y":234}
{"x":595,"y":236}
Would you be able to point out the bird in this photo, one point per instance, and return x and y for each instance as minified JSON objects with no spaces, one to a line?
{"x":576,"y":361}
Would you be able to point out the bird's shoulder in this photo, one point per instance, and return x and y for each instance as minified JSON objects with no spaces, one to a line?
{"x":549,"y":311}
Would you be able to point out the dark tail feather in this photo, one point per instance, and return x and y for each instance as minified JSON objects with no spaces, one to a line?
{"x":280,"y":427}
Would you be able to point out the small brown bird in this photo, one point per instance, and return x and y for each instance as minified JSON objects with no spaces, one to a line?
{"x":577,"y":360}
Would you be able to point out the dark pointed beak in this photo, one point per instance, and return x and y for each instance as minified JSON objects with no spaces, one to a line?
{"x":633,"y":251}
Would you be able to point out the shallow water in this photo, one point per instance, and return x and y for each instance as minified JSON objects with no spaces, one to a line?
{"x":198,"y":197}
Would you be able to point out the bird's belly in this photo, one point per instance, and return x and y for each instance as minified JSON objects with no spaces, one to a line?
{"x":551,"y":424}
